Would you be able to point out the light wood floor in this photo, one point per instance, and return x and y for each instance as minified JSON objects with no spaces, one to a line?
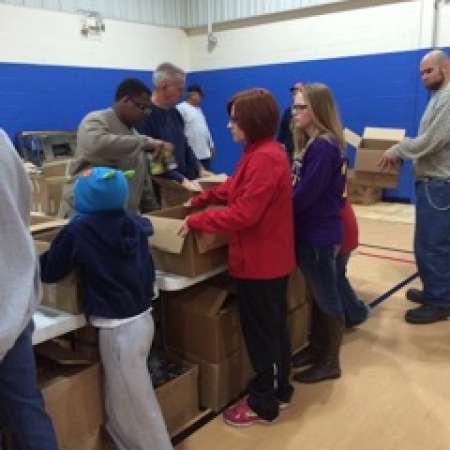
{"x":395,"y":389}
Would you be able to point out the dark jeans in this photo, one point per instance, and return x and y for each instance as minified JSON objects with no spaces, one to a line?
{"x":263,"y":311}
{"x":318,"y":264}
{"x":432,"y":240}
{"x":22,"y":409}
{"x":355,"y":310}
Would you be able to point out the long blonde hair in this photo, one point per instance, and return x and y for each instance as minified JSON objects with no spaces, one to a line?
{"x":324,"y":113}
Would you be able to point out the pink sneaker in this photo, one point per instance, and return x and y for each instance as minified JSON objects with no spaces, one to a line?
{"x":241,"y":415}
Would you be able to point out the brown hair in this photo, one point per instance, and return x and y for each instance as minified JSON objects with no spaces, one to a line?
{"x":256,"y":112}
{"x":324,"y":113}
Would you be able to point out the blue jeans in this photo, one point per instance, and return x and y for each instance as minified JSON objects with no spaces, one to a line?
{"x":22,"y":409}
{"x":355,"y":310}
{"x":318,"y":264}
{"x":432,"y":240}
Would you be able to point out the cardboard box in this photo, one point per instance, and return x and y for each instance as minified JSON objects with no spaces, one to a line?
{"x":298,"y":325}
{"x":191,"y":255}
{"x":178,"y":399}
{"x":74,"y":401}
{"x":298,"y":292}
{"x":370,"y":149}
{"x":64,"y":295}
{"x":203,"y":321}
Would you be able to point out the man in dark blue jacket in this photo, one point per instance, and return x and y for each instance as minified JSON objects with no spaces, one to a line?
{"x":166,"y":123}
{"x":109,"y":246}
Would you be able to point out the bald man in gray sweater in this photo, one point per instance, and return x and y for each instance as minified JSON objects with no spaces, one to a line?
{"x":430,"y":154}
{"x":22,"y":409}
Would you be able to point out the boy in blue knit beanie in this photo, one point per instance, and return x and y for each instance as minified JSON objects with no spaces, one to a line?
{"x":109,"y":246}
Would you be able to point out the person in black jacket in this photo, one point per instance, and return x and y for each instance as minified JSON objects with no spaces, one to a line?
{"x":109,"y":247}
{"x":285,"y":131}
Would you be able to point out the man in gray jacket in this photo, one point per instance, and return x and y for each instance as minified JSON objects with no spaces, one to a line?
{"x":430,"y":153}
{"x":108,"y":138}
{"x":21,"y":405}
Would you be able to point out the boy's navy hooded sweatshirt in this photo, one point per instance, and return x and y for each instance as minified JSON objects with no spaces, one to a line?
{"x":110,"y":249}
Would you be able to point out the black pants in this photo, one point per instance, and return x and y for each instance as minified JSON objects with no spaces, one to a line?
{"x":262,"y":306}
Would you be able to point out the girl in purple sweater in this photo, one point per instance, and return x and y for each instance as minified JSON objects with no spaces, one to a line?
{"x":319,"y":180}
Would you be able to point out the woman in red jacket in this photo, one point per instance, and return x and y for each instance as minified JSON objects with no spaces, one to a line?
{"x":257,"y":216}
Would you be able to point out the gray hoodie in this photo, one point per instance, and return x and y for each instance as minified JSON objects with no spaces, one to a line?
{"x":20,"y":290}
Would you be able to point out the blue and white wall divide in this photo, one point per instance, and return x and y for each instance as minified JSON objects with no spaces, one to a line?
{"x":51,"y":76}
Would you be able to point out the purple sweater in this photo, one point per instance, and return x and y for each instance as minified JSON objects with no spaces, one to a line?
{"x":319,"y":182}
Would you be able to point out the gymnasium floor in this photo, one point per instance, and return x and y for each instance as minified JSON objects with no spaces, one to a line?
{"x":395,"y":389}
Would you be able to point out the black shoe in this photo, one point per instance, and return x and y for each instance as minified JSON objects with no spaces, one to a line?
{"x":427,"y":314}
{"x":415,"y":295}
{"x":305,"y":357}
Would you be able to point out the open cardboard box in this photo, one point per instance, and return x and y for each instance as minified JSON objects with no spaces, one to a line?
{"x":192,"y":255}
{"x":179,"y":398}
{"x":370,"y":148}
{"x":73,"y":399}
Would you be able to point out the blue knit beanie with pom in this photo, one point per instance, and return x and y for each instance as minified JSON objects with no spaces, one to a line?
{"x":101,"y":189}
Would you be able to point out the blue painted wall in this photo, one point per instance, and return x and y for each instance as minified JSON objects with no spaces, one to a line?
{"x":36,"y":97}
{"x":382,"y":90}
{"x":375,"y":90}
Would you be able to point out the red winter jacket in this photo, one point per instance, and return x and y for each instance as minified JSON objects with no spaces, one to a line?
{"x":257,"y":213}
{"x":350,"y":227}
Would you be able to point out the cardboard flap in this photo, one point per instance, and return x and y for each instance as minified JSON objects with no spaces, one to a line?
{"x":47,"y":226}
{"x":352,"y":138}
{"x":209,"y":300}
{"x":165,"y":235}
{"x":388,"y":134}
{"x":209,"y":241}
{"x":174,"y":185}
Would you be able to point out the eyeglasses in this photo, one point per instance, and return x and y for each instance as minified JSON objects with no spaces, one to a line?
{"x":295,"y":109}
{"x":233,"y":119}
{"x":144,"y":107}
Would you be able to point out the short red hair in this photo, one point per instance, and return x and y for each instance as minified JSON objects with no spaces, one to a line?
{"x":256,"y":112}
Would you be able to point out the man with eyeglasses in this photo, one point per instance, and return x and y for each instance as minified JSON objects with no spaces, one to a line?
{"x":109,"y":138}
{"x":285,"y":133}
{"x":167,"y":123}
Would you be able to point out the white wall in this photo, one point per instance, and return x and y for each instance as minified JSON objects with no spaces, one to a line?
{"x":376,"y":29}
{"x":46,"y":37}
{"x":444,"y":26}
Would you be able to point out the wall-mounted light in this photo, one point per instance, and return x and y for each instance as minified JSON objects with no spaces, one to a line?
{"x":91,"y":23}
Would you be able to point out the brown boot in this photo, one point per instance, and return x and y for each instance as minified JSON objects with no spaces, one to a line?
{"x":311,"y":354}
{"x":327,"y":367}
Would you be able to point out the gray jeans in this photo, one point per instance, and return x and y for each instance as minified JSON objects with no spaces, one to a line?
{"x":134,"y":418}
